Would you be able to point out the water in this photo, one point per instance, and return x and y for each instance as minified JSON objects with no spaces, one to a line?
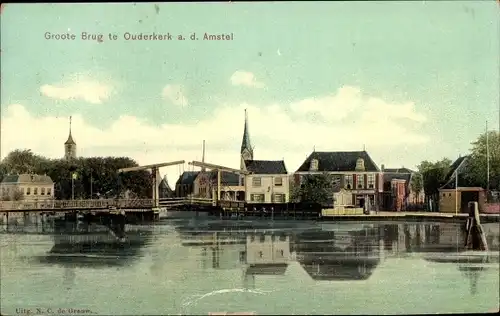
{"x":202,"y":266}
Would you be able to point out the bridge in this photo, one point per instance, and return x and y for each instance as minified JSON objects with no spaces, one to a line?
{"x":101,"y":204}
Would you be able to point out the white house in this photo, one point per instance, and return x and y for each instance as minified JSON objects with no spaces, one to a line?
{"x":267,"y":181}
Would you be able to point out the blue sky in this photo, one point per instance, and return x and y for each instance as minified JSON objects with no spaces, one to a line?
{"x":408,"y":80}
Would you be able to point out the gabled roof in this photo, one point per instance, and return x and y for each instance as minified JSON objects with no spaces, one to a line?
{"x":226,"y":178}
{"x":459,"y":165}
{"x":27,"y":178}
{"x":397,"y":173}
{"x":398,"y":170}
{"x":338,"y":161}
{"x":187,"y":177}
{"x":266,"y":166}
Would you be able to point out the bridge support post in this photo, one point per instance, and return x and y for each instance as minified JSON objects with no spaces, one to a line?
{"x":156,"y":190}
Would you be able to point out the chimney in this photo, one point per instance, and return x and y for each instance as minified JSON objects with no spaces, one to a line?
{"x":382,"y":167}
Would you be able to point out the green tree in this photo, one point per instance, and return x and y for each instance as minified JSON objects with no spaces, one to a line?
{"x":477,"y":169}
{"x":96,"y":174}
{"x":24,"y":161}
{"x":432,"y":175}
{"x":315,"y":188}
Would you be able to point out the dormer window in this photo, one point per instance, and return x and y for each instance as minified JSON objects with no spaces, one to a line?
{"x":360,"y":164}
{"x":314,"y":165}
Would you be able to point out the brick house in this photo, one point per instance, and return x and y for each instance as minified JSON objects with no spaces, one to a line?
{"x":356,"y":175}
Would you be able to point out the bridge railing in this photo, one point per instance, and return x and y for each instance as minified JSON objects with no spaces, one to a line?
{"x":75,"y":204}
{"x":97,"y":204}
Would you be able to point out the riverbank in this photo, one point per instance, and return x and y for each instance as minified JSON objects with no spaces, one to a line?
{"x":410,"y":216}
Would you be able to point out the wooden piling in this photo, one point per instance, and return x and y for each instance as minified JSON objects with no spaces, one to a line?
{"x":475,"y":238}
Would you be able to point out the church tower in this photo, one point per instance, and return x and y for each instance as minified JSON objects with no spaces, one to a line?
{"x":70,"y":145}
{"x":246,"y":146}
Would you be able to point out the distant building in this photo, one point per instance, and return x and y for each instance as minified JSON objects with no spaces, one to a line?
{"x":70,"y":145}
{"x":267,"y":181}
{"x":185,"y":184}
{"x":356,"y":175}
{"x":164,"y":189}
{"x":456,"y":199}
{"x":28,"y":187}
{"x":400,"y":179}
{"x":205,"y":186}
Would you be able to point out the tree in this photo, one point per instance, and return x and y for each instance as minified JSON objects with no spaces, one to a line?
{"x":432,"y":176}
{"x":24,"y":161}
{"x":315,"y":188}
{"x":96,"y":174}
{"x":477,"y":162}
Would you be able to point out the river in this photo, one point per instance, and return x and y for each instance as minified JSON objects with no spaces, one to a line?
{"x":200,"y":266}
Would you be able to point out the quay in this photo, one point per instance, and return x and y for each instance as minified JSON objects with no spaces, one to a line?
{"x":145,"y":209}
{"x":408,"y":216}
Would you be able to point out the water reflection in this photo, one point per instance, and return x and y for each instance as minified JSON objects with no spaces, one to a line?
{"x":220,"y":265}
{"x":329,"y":252}
{"x":339,"y":253}
{"x":84,"y":244}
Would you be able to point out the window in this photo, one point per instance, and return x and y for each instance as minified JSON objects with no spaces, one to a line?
{"x":22,"y":190}
{"x":35,"y":191}
{"x":242,"y":181}
{"x":260,"y":254}
{"x":279,"y":197}
{"x":371,"y":181}
{"x":314,"y":165}
{"x":278,"y":181}
{"x":28,"y":191}
{"x":348,"y":182}
{"x":360,"y":181}
{"x":444,"y":194}
{"x":449,"y":194}
{"x":256,"y":182}
{"x":42,"y":191}
{"x":49,"y":191}
{"x":257,"y":197}
{"x":262,"y":238}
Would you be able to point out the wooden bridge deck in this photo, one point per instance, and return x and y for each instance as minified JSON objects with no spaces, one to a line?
{"x":69,"y":205}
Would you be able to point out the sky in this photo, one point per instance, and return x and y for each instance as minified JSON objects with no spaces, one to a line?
{"x":407,"y":81}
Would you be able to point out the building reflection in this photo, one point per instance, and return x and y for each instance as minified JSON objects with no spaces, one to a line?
{"x":346,"y":252}
{"x":329,"y":252}
{"x":78,"y":245}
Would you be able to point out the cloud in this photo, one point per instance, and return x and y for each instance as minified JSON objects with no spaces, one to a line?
{"x":245,"y":78}
{"x":175,"y":94}
{"x":392,"y":133}
{"x":78,"y":86}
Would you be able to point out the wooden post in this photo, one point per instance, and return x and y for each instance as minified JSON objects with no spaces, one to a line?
{"x":475,"y":237}
{"x":218,"y":185}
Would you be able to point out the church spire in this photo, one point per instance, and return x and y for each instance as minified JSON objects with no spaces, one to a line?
{"x":245,"y":143}
{"x":246,"y":146}
{"x":70,"y":140}
{"x":70,"y":145}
